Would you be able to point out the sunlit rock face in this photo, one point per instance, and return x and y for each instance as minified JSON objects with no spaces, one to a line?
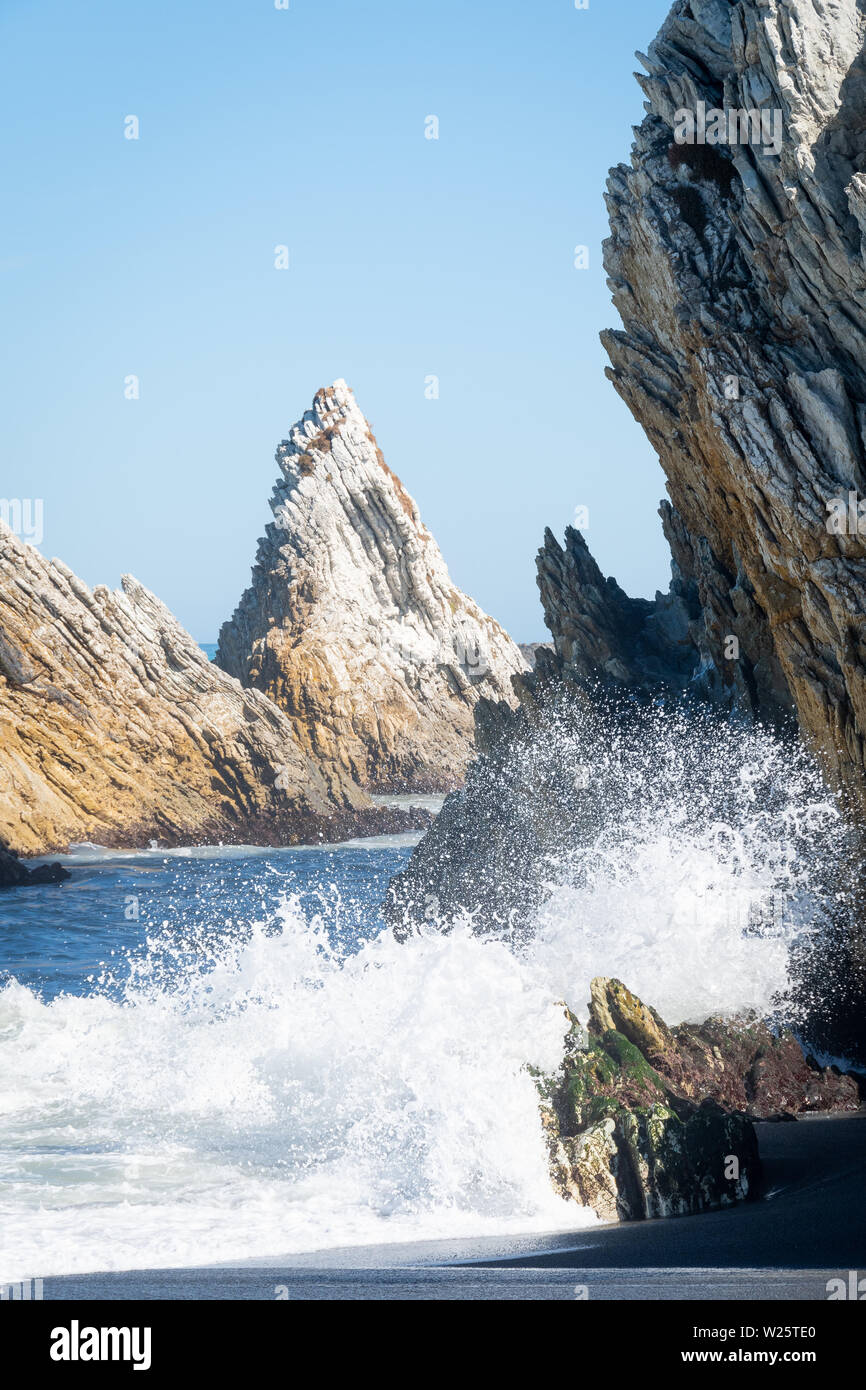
{"x":738,"y":270}
{"x":115,"y":728}
{"x":352,"y":624}
{"x":643,"y":1120}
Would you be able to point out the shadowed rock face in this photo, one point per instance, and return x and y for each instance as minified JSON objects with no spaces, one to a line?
{"x":741,"y":282}
{"x":14,"y":874}
{"x":600,"y":634}
{"x":352,"y":624}
{"x":115,"y":728}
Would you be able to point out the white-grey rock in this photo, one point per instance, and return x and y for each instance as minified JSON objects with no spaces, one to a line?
{"x":352,"y":624}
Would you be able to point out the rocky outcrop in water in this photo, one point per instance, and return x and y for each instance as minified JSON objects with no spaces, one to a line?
{"x":739,"y":271}
{"x":14,"y":874}
{"x":115,"y":728}
{"x":740,"y":1064}
{"x":644,"y":1120}
{"x":352,"y":624}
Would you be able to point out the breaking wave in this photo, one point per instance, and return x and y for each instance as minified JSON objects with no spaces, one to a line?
{"x":301,"y":1083}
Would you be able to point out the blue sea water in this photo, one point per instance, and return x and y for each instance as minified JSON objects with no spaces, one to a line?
{"x":210,"y":1055}
{"x":119,"y":908}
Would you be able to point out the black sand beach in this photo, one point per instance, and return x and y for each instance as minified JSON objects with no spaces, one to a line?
{"x":807,"y":1226}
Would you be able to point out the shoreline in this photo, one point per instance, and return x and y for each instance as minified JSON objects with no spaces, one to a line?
{"x":807,"y":1225}
{"x":410,"y":814}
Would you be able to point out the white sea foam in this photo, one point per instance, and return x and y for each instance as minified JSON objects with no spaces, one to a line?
{"x":86,"y":853}
{"x":286,"y":1100}
{"x":708,"y":851}
{"x":286,"y":1095}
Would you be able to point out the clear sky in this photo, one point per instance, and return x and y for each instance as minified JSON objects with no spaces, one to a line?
{"x":409,"y":257}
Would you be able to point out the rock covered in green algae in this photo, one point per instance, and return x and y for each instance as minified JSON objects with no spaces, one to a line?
{"x":644,"y":1120}
{"x":623,"y":1143}
{"x":740,"y":1063}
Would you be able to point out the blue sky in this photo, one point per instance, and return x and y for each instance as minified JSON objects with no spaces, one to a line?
{"x":409,"y":258}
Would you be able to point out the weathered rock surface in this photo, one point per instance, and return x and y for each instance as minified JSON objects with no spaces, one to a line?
{"x":115,"y":728}
{"x":352,"y":624}
{"x":740,"y":277}
{"x":643,"y":1120}
{"x":740,"y":1064}
{"x":602,"y":635}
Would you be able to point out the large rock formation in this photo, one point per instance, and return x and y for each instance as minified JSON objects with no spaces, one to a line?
{"x":352,"y":624}
{"x":739,"y":271}
{"x":115,"y":728}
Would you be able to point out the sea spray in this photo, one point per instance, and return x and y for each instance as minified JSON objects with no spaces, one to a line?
{"x":278,"y":1083}
{"x":692,"y":855}
{"x":287,"y":1096}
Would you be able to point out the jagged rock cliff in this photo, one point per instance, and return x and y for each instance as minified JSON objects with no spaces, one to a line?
{"x":352,"y":624}
{"x":600,"y":634}
{"x":739,"y":271}
{"x":115,"y":728}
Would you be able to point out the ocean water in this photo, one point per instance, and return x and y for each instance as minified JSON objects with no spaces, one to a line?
{"x":210,"y":1055}
{"x":214,"y":1055}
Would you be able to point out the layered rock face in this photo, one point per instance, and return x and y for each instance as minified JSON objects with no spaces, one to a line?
{"x":352,"y":624}
{"x":739,"y":270}
{"x":115,"y":728}
{"x":602,"y":635}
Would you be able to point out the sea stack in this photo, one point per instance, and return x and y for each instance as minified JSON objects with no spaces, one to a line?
{"x":352,"y":624}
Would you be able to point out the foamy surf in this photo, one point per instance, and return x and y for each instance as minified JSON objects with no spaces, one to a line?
{"x":287,"y":1099}
{"x":246,"y":1090}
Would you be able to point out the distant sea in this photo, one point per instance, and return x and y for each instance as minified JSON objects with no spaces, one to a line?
{"x":209,"y":649}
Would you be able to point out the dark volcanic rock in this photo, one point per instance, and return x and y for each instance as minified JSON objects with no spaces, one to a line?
{"x":13,"y":873}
